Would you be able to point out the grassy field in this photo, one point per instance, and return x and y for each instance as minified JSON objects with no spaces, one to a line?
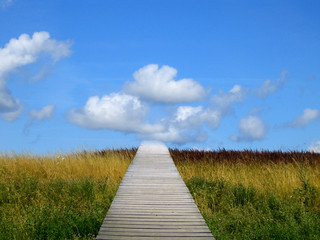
{"x":64,"y":196}
{"x":242,"y":195}
{"x":254,"y":195}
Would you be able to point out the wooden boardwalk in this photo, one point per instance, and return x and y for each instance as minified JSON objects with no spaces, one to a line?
{"x":153,"y":202}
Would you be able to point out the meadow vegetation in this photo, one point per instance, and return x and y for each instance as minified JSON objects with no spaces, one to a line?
{"x":59,"y":196}
{"x":241,"y":194}
{"x":254,"y":195}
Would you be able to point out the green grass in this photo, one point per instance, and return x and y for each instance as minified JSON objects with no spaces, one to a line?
{"x":58,"y":197}
{"x":241,"y":194}
{"x":239,"y":212}
{"x":254,"y":195}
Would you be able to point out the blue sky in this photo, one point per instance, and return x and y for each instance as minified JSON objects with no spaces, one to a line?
{"x":194,"y":74}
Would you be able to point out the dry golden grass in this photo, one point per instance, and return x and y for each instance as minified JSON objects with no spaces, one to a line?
{"x":267,"y":172}
{"x":281,"y":178}
{"x":59,"y":196}
{"x":109,"y":164}
{"x":254,"y":195}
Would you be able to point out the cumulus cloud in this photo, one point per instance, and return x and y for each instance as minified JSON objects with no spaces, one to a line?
{"x":315,"y":147}
{"x":251,"y":128}
{"x":159,"y":85}
{"x":20,"y":52}
{"x":186,"y":124}
{"x":128,"y":113}
{"x":116,"y":111}
{"x":268,"y":87}
{"x":170,"y":134}
{"x":189,"y":117}
{"x":307,"y":117}
{"x":212,"y":115}
{"x":26,"y":50}
{"x":176,"y":135}
{"x":186,"y":117}
{"x":185,"y":112}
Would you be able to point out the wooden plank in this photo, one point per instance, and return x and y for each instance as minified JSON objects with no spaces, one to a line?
{"x":104,"y":237}
{"x":153,"y":202}
{"x":143,"y":233}
{"x":154,"y":226}
{"x":153,"y":219}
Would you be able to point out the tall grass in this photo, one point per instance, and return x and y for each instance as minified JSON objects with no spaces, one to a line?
{"x":241,"y":194}
{"x":60,"y":196}
{"x":254,"y":195}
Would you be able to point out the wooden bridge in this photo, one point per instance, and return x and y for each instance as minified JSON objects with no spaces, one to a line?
{"x":153,"y":202}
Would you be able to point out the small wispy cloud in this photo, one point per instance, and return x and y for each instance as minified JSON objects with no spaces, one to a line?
{"x":225,"y":100}
{"x":310,"y":78}
{"x":251,"y":128}
{"x":159,"y":85}
{"x":42,"y":114}
{"x":268,"y":87}
{"x":309,"y":115}
{"x":255,"y":110}
{"x":39,"y":115}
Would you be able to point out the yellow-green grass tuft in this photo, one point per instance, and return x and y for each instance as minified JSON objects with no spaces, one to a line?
{"x":59,"y":196}
{"x":254,"y":195}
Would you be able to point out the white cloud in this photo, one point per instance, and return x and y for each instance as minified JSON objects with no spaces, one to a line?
{"x":44,"y":113}
{"x":188,"y":117}
{"x":268,"y":87}
{"x":185,"y":112}
{"x":212,"y":117}
{"x":315,"y":147}
{"x":26,"y":50}
{"x":185,"y":125}
{"x":168,"y":135}
{"x":116,"y":111}
{"x":20,"y":52}
{"x":176,"y":135}
{"x":251,"y":128}
{"x":235,"y":95}
{"x":126,"y":113}
{"x":152,"y":83}
{"x":307,"y":117}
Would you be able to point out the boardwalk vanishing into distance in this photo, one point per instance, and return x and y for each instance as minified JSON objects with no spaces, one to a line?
{"x":153,"y":202}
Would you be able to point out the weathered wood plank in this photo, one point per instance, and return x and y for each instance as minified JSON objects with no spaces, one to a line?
{"x":153,"y":202}
{"x":143,"y":233}
{"x":104,"y":237}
